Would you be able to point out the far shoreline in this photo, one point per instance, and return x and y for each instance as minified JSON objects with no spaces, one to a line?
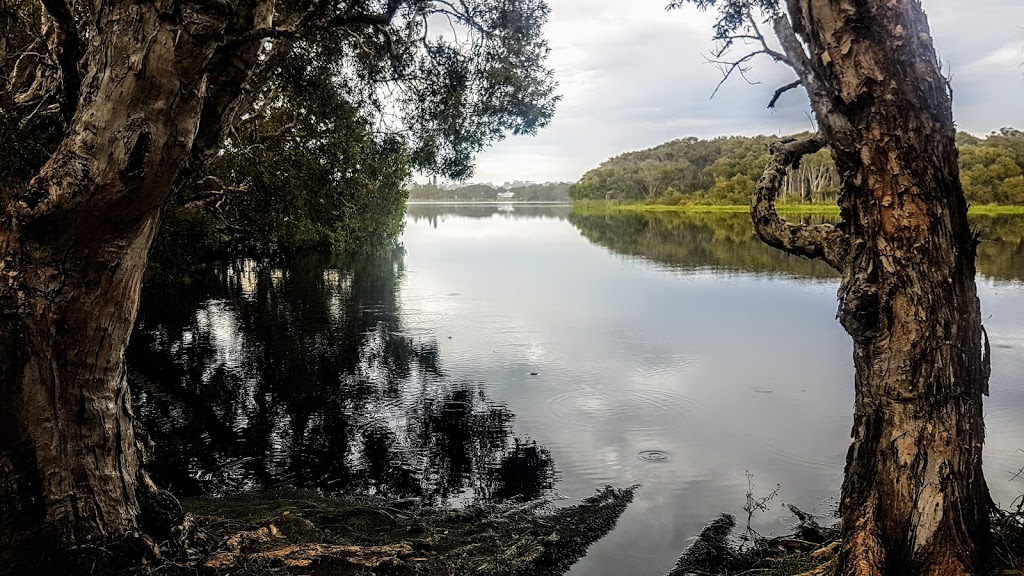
{"x":487,"y":203}
{"x":599,"y":206}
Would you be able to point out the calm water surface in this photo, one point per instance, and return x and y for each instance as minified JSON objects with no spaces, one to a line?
{"x":510,"y":353}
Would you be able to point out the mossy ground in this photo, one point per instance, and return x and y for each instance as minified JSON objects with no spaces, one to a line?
{"x":298,"y":532}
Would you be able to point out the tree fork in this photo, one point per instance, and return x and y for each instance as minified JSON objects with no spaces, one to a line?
{"x":823,"y":241}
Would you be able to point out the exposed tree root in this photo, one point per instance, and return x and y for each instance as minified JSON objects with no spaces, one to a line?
{"x":862,"y":554}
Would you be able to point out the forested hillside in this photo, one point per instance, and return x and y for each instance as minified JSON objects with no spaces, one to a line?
{"x":725,"y":171}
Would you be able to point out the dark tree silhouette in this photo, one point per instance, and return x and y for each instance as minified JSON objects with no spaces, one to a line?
{"x":140,"y":95}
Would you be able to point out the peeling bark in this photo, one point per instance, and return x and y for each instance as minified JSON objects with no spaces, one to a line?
{"x":914,"y":500}
{"x":73,"y":248}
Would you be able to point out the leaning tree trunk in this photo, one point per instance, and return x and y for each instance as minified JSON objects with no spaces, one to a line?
{"x":914,"y":500}
{"x":73,"y":249}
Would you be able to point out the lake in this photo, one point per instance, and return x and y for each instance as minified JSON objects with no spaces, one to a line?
{"x":511,"y":352}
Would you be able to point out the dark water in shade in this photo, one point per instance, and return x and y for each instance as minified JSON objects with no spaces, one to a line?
{"x":514,"y":353}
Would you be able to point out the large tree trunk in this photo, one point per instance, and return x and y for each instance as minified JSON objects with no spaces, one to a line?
{"x":74,"y":248}
{"x":914,"y":501}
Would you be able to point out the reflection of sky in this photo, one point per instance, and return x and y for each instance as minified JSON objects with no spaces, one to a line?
{"x":726,"y":373}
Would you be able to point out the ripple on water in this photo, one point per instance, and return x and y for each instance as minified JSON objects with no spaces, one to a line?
{"x":625,"y":409}
{"x":656,"y":456}
{"x":804,"y":461}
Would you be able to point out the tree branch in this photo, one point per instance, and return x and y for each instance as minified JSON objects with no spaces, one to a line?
{"x":796,"y":56}
{"x":382,"y":19}
{"x":831,"y":121}
{"x":739,"y":65}
{"x":269,"y":33}
{"x":824,"y":241}
{"x":294,"y":31}
{"x":68,"y":49}
{"x":778,"y":93}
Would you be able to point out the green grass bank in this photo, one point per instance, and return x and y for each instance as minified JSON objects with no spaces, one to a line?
{"x":604,"y":207}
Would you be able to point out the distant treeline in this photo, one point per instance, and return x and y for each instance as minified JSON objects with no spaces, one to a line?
{"x":725,"y":171}
{"x":516,"y":192}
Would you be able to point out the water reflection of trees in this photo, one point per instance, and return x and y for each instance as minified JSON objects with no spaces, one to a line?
{"x":256,"y":375}
{"x":719,"y":241}
{"x":1001,"y":251}
{"x":726,"y":242}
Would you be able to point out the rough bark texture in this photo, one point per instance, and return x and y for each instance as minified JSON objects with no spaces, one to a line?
{"x":914,"y":500}
{"x":73,"y":248}
{"x":823,"y":241}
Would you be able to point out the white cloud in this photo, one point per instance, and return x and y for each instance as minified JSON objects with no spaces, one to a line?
{"x":1002,"y":59}
{"x":633,"y":75}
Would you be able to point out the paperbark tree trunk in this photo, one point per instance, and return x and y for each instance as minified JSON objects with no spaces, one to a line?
{"x":74,"y":248}
{"x":914,"y":499}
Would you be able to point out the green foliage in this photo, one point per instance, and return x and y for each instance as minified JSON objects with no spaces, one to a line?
{"x":339,"y":117}
{"x":512,"y":192}
{"x":305,"y":172}
{"x":449,"y":79}
{"x":340,"y":123}
{"x":725,"y":170}
{"x":992,"y":168}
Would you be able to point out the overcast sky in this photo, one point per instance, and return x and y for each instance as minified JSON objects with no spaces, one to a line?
{"x":632,"y":75}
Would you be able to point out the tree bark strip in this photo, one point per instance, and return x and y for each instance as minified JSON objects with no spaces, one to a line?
{"x":74,"y":247}
{"x":914,"y":500}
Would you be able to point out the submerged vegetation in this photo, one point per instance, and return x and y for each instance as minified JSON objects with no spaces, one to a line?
{"x":725,"y":171}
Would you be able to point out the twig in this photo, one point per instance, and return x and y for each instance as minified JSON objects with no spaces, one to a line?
{"x":778,"y":93}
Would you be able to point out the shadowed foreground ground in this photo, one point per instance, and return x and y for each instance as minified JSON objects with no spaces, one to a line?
{"x":292,"y":532}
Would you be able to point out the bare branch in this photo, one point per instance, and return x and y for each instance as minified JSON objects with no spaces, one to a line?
{"x":822,"y":241}
{"x":795,"y":55}
{"x":764,"y":44}
{"x":68,"y":50}
{"x":215,"y":195}
{"x":730,"y":67}
{"x":778,"y":93}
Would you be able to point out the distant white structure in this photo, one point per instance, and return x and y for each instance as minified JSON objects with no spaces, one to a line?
{"x":506,"y":195}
